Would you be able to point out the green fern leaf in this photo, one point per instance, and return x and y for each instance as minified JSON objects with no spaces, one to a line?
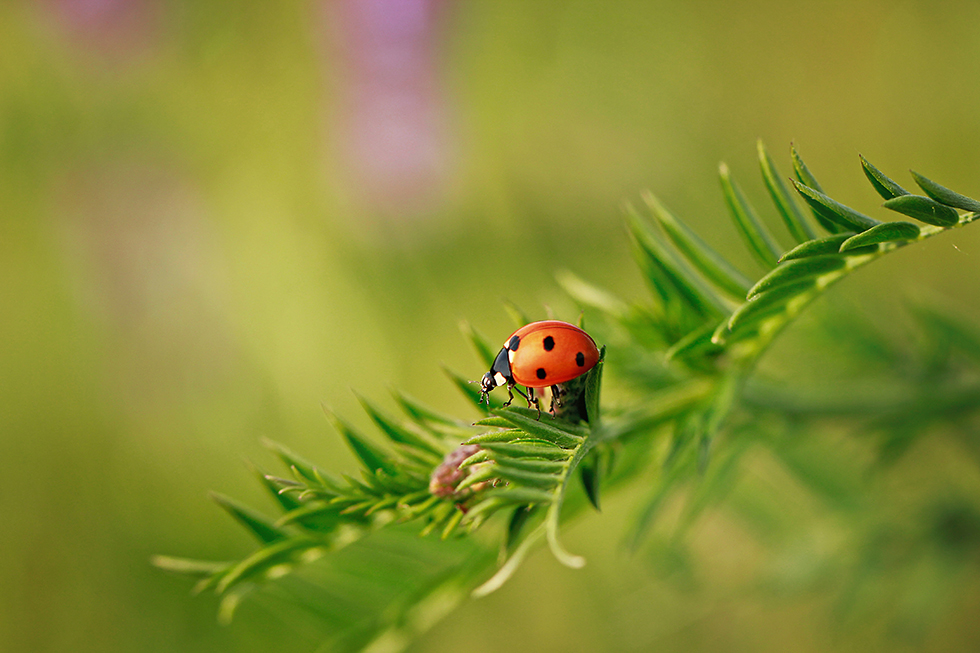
{"x":371,"y":456}
{"x":259,"y":526}
{"x":782,"y":302}
{"x":708,"y":262}
{"x":795,"y":270}
{"x":843,"y":216}
{"x":883,"y":233}
{"x":817,"y":247}
{"x":592,"y":296}
{"x":484,"y":349}
{"x":676,"y":283}
{"x":188,"y":567}
{"x":946,"y":196}
{"x":526,"y":448}
{"x":760,"y":242}
{"x":923,"y":208}
{"x":884,"y":186}
{"x":805,"y":177}
{"x":472,"y":391}
{"x":400,"y":434}
{"x":797,"y":225}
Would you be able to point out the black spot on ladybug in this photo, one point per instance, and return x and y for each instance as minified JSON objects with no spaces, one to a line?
{"x":541,"y":373}
{"x":514,"y":343}
{"x":549,"y":344}
{"x":580,"y":359}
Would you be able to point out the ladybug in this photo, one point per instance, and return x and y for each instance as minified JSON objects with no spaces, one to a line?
{"x":541,"y":355}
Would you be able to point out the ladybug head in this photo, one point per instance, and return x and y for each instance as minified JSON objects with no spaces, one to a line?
{"x":487,"y":384}
{"x":499,"y":374}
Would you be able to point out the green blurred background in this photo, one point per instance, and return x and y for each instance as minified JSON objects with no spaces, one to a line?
{"x":216,"y":216}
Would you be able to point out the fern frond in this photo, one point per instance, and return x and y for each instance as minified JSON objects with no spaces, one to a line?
{"x":687,"y":357}
{"x":807,"y":270}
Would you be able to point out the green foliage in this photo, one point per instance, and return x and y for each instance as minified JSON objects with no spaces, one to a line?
{"x":694,"y":414}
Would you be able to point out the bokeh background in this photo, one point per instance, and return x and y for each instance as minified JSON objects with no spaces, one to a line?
{"x":215,"y":216}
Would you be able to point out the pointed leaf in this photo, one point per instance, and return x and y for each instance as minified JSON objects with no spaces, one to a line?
{"x":663,"y":407}
{"x":924,"y":209}
{"x":260,"y":526}
{"x":671,"y":277}
{"x":478,"y":475}
{"x":314,"y":515}
{"x":305,"y":469}
{"x":801,"y":171}
{"x":708,"y":262}
{"x":519,"y":520}
{"x":844,"y":216}
{"x":360,"y":488}
{"x":481,"y":456}
{"x":452,"y":523}
{"x":285,"y":499}
{"x":760,"y":242}
{"x":524,"y":495}
{"x":540,"y":430}
{"x":593,"y":387}
{"x":696,"y":343}
{"x":484,"y":350}
{"x":505,"y":435}
{"x":590,"y":295}
{"x":795,"y":222}
{"x":477,"y":514}
{"x":883,"y":233}
{"x":524,"y":448}
{"x":519,"y":317}
{"x":492,"y":420}
{"x":471,"y":389}
{"x":189,"y":567}
{"x":806,"y":178}
{"x":538,"y":480}
{"x":818,"y":247}
{"x":538,"y":466}
{"x":792,"y":271}
{"x":944,"y":195}
{"x":882,"y":184}
{"x":422,"y":414}
{"x":769,"y":303}
{"x":398,"y":433}
{"x":591,"y":474}
{"x":371,"y":456}
{"x":275,"y":559}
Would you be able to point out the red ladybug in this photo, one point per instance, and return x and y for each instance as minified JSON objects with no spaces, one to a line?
{"x":540,"y":355}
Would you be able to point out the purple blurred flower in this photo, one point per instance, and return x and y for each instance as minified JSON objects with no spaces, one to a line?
{"x":392,"y":123}
{"x":110,"y":27}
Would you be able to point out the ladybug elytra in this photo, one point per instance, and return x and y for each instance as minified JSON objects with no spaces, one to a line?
{"x":541,"y":355}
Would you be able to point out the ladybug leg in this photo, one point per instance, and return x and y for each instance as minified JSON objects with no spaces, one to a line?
{"x":556,"y":393}
{"x":518,"y":392}
{"x":510,"y":398}
{"x":533,"y":400}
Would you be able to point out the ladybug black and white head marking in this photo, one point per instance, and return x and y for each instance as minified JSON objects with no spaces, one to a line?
{"x":499,"y":373}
